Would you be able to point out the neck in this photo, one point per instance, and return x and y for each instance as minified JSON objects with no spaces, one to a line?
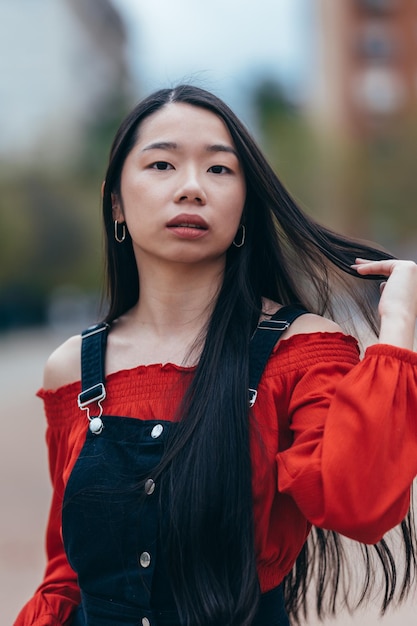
{"x":177,"y":298}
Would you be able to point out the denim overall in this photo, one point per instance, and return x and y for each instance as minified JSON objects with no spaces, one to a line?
{"x":111,"y":511}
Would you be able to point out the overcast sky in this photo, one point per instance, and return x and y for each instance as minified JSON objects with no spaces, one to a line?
{"x":221,"y":44}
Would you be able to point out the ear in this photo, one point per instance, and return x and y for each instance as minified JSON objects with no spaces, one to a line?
{"x":117,"y":212}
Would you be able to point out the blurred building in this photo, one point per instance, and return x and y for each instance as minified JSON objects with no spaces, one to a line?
{"x":61,"y":63}
{"x":366,"y":74}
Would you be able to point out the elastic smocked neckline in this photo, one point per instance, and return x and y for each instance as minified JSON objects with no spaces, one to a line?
{"x":300,"y":341}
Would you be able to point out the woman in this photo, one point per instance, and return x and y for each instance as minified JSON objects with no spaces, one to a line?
{"x":182,"y":504}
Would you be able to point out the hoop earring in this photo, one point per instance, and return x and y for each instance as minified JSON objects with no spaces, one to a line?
{"x":116,"y":231}
{"x":242,"y":241}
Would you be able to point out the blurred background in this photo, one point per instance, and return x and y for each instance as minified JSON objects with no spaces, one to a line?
{"x":329,"y":89}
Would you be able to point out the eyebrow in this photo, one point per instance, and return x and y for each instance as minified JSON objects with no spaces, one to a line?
{"x":171,"y":145}
{"x":161,"y":145}
{"x":219,"y":147}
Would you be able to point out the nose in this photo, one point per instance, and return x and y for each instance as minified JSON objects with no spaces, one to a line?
{"x":190,"y":189}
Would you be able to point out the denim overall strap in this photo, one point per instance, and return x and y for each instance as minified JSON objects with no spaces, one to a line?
{"x":93,"y":391}
{"x":263,"y":341}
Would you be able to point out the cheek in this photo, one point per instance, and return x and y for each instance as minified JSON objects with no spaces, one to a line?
{"x":236,"y":204}
{"x":239,"y":198}
{"x":140,"y":203}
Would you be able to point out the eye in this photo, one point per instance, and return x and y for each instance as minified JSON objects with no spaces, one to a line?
{"x":162,"y":166}
{"x":219,"y":169}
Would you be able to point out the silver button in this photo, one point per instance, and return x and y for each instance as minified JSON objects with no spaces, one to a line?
{"x":96,"y":425}
{"x":157,"y":431}
{"x":149,"y":487}
{"x":145,"y":559}
{"x":145,"y":621}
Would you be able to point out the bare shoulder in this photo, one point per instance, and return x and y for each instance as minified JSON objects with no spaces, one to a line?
{"x":310,"y":323}
{"x":63,"y":365}
{"x":307,"y":323}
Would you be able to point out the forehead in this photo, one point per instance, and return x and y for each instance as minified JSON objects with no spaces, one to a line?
{"x":180,"y":121}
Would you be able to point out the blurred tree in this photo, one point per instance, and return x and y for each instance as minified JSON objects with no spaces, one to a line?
{"x":289,"y":143}
{"x":50,"y":225}
{"x":49,"y":236}
{"x":392,"y":183}
{"x":98,"y":136}
{"x":365,"y":187}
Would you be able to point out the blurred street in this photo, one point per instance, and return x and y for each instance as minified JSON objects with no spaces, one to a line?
{"x":24,"y":481}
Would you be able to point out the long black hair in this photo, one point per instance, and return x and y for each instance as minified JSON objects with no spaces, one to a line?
{"x":205,"y":473}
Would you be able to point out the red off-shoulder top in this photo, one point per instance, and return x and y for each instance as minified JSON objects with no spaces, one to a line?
{"x":338,"y":449}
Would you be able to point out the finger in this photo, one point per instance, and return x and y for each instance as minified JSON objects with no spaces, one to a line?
{"x":363,"y":262}
{"x":383,"y":267}
{"x":382,"y":286}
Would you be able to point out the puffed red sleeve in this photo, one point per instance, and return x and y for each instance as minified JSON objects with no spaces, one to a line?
{"x":56,"y":598}
{"x":354,"y":452}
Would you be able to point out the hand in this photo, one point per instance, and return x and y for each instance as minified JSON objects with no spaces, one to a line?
{"x":398,"y":303}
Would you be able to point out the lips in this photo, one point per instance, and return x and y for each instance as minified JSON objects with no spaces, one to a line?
{"x":188,"y":227}
{"x":188,"y":221}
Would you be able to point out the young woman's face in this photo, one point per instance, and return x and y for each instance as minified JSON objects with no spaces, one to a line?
{"x":182,"y":187}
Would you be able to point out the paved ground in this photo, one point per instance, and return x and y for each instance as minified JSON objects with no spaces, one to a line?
{"x":24,"y":482}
